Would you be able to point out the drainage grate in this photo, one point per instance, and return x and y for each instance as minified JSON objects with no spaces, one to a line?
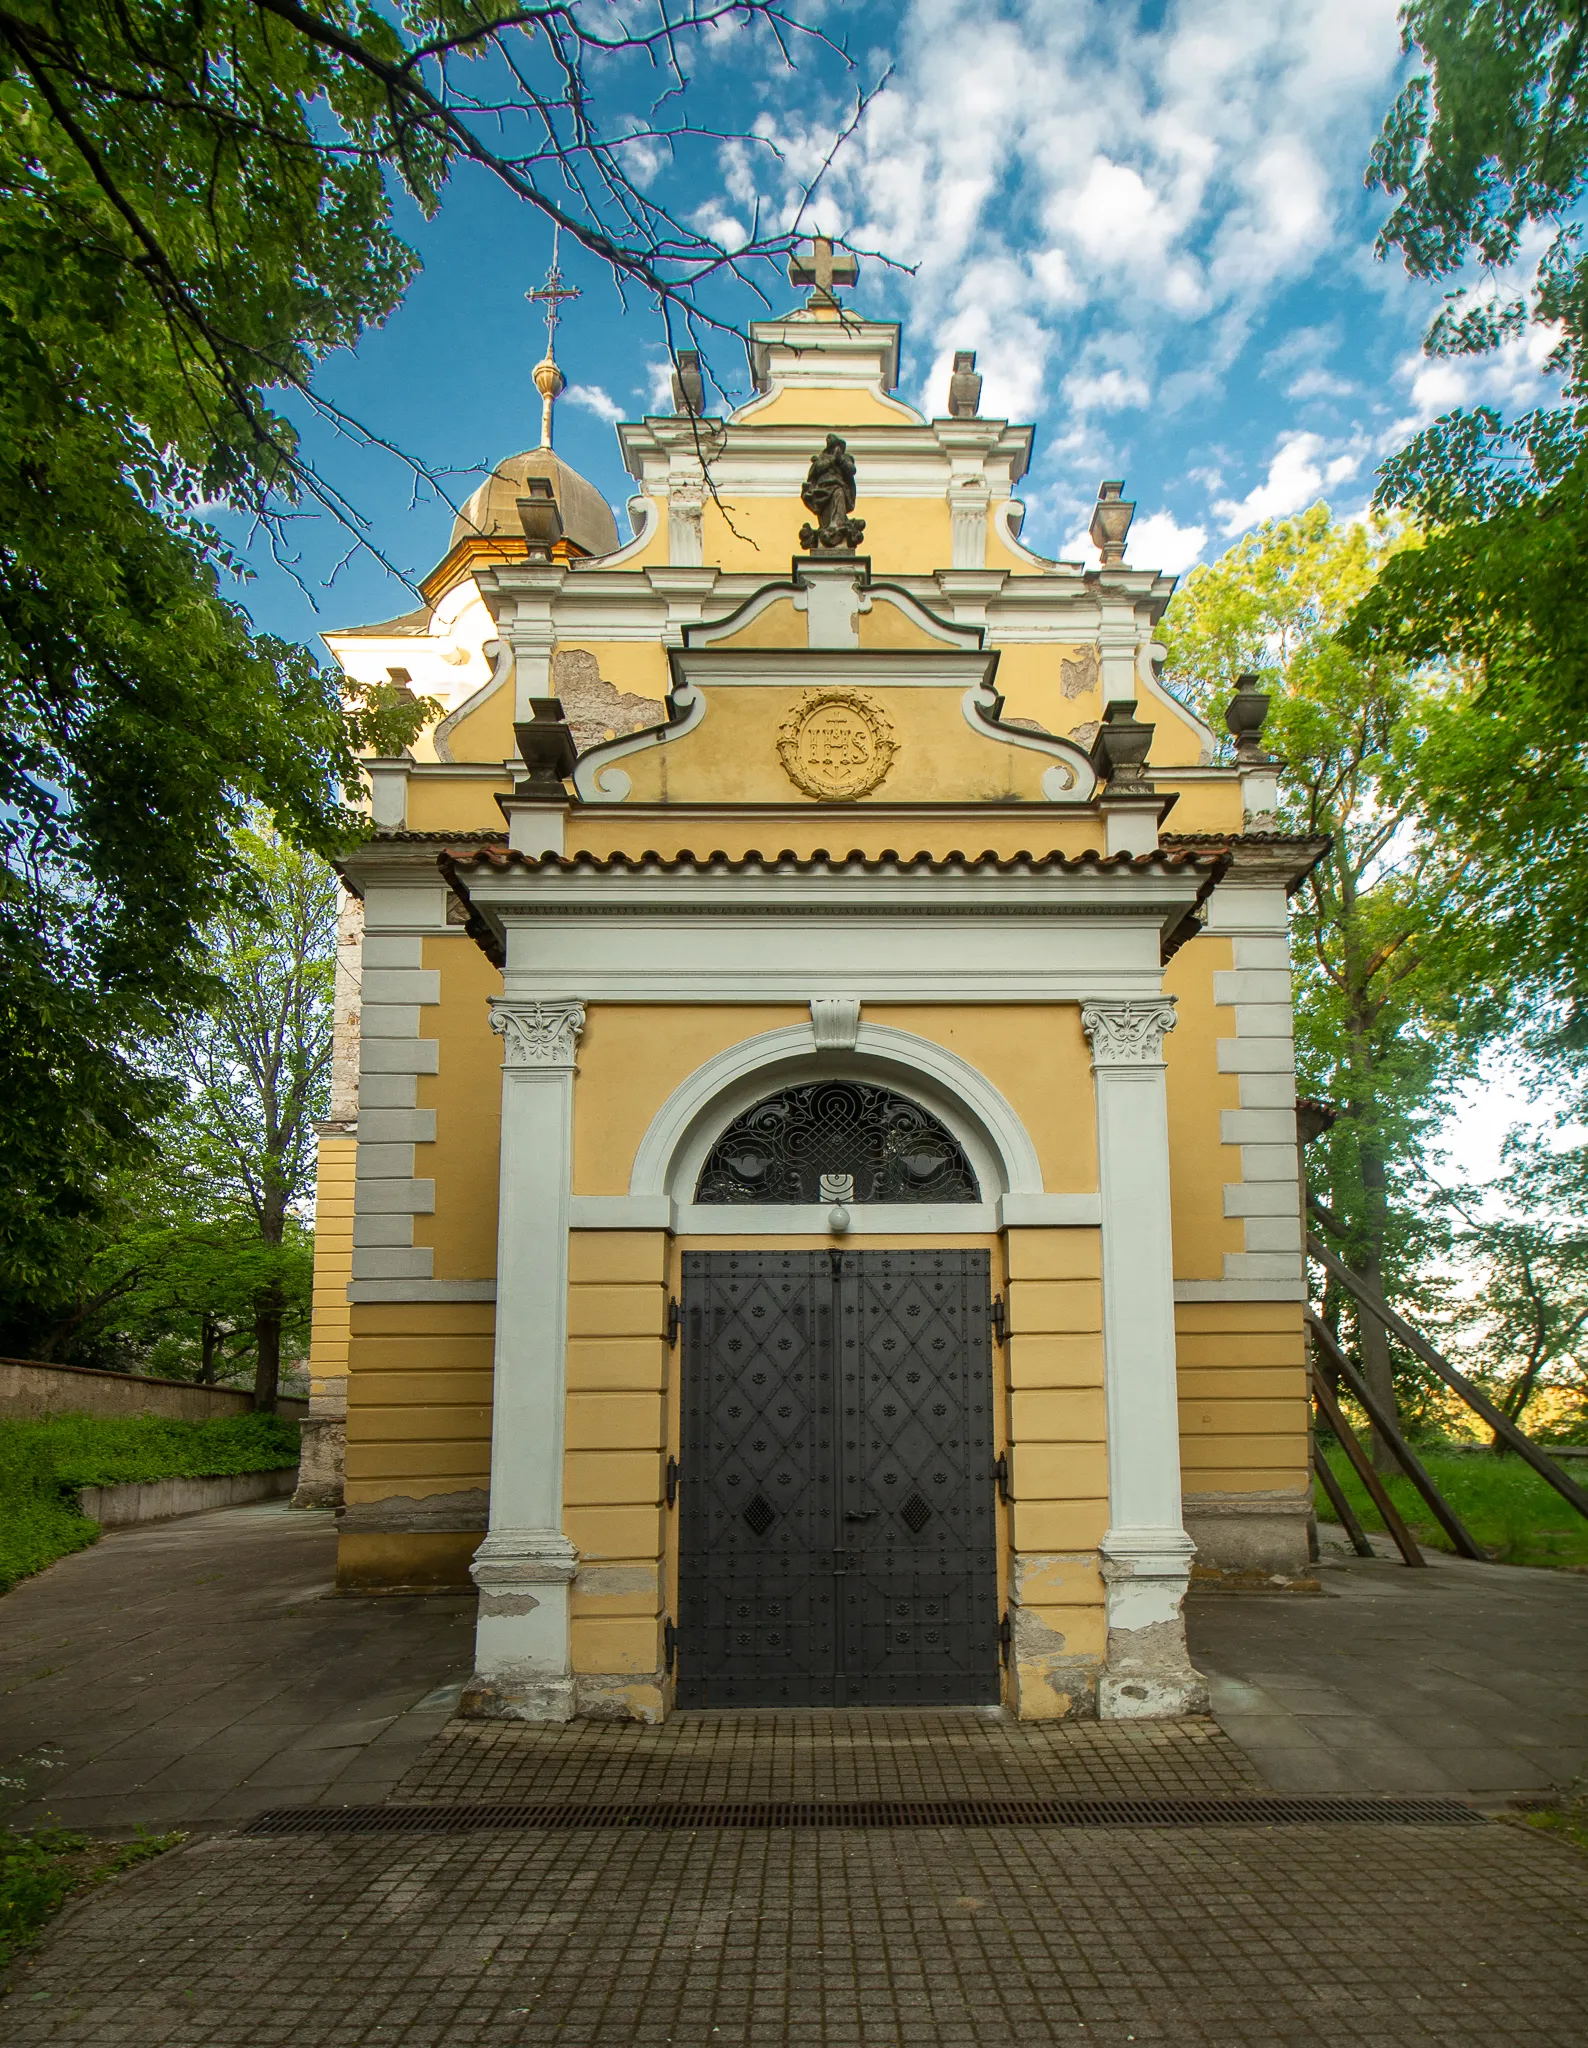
{"x":1080,"y":1811}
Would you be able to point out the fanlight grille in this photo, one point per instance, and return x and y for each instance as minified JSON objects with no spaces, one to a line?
{"x":889,"y":1148}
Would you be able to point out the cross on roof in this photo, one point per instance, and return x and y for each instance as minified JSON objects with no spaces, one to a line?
{"x":821,"y":265}
{"x":551,"y":295}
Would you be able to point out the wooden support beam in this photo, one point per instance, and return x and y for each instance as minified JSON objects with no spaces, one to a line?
{"x":1502,"y":1425}
{"x":1405,"y":1542}
{"x":1444,"y":1514}
{"x":1342,"y":1506}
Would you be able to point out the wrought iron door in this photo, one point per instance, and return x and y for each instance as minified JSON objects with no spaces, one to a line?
{"x":837,"y":1498}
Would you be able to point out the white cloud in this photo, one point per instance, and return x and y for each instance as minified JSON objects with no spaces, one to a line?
{"x":1160,"y":542}
{"x":1318,"y":383}
{"x":1297,"y":476}
{"x":1513,"y":377}
{"x":591,"y":398}
{"x":1105,"y":390}
{"x":1059,"y":171}
{"x":1157,"y":541}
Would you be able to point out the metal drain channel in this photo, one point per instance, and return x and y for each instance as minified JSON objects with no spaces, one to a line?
{"x":1261,"y":1810}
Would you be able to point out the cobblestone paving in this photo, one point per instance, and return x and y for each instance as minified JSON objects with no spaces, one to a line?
{"x":1372,"y":1937}
{"x":953,"y":1753}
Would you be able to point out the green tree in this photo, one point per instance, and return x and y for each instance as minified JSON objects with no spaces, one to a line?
{"x":1373,"y":1008}
{"x":256,"y":1066}
{"x":1523,"y":1329}
{"x":1487,"y":141}
{"x":196,"y":208}
{"x":1485,"y":155}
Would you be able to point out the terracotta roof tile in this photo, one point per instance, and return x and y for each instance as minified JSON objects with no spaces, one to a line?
{"x":1206,"y":855}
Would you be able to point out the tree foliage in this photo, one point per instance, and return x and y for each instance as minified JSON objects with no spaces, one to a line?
{"x":201,"y":1255}
{"x":1485,"y":153}
{"x":1523,"y":1330}
{"x":1374,"y":1008}
{"x":197,"y":205}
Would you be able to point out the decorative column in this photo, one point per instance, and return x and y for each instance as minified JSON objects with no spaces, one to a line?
{"x":1146,"y":1553}
{"x":523,"y":1670}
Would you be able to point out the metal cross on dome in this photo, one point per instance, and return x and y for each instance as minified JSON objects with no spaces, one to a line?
{"x":552,"y":293}
{"x":823,"y":267}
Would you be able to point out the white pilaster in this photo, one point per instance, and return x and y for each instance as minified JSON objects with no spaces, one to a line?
{"x":1146,"y":1553}
{"x":523,"y":1669}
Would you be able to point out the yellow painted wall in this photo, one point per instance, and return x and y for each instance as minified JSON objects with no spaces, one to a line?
{"x":466,"y":1094}
{"x":732,"y":755}
{"x":1060,"y":1464}
{"x":333,"y":1266}
{"x":636,"y":668}
{"x":1243,"y":1396}
{"x":619,"y":1370}
{"x":631,"y":1058}
{"x":447,"y":803}
{"x":486,"y":733}
{"x":760,"y":536}
{"x":1200,"y":1163}
{"x":1031,"y":678}
{"x":419,"y":1398}
{"x":1037,"y":1057}
{"x":870,"y":829}
{"x":828,"y":408}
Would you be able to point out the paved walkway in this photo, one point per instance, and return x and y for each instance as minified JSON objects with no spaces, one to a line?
{"x":191,"y":1672}
{"x":201,"y":1671}
{"x":1310,"y":1937}
{"x":1462,"y":1678}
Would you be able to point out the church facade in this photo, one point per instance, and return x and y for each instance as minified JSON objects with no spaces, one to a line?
{"x":813,"y":1216}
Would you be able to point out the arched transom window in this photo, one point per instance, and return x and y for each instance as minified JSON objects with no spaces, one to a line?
{"x":837,"y":1141}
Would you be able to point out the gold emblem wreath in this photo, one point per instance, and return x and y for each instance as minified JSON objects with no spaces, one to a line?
{"x":836,"y":746}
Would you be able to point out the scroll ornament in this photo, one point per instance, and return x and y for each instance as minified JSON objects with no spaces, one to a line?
{"x":537,"y":1034}
{"x":1128,"y":1034}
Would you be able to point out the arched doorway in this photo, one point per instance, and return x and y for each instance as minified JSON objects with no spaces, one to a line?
{"x":837,"y":1512}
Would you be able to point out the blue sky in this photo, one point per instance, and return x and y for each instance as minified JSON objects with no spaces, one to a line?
{"x":1150,"y":223}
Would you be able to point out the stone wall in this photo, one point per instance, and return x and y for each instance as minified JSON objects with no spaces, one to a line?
{"x":31,"y":1388}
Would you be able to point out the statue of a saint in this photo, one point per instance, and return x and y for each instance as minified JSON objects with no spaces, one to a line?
{"x":829,"y":492}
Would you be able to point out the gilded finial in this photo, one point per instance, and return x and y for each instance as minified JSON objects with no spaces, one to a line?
{"x":549,"y":380}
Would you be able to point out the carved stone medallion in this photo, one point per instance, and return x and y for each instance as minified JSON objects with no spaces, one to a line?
{"x":836,"y":746}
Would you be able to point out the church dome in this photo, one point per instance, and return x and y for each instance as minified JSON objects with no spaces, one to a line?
{"x":587,"y":519}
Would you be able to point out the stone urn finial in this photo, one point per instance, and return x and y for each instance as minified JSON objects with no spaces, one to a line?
{"x":1245,"y":715}
{"x":1119,"y":752}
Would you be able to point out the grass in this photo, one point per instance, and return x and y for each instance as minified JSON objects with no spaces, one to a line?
{"x":39,"y":1873}
{"x":1510,"y":1511}
{"x":1568,"y":1819}
{"x":44,"y":1464}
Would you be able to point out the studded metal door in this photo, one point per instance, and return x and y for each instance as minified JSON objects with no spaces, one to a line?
{"x":837,"y":1518}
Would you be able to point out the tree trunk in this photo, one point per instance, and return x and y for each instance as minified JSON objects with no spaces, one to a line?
{"x":209,"y":1341}
{"x":1367,"y":1260}
{"x":267,"y":1346}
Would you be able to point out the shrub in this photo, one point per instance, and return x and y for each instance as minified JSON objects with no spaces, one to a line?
{"x":44,"y":1463}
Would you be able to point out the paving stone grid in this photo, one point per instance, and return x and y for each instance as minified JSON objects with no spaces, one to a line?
{"x":787,"y":1939}
{"x":854,"y":1754}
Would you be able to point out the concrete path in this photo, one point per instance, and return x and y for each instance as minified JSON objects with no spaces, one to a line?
{"x":196,"y":1673}
{"x":192,"y":1672}
{"x":1462,"y":1678}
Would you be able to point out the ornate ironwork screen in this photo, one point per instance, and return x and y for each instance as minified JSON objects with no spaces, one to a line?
{"x":830,"y":1141}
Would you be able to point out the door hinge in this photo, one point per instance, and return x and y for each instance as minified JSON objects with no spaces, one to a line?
{"x":999,"y":1316}
{"x":672,"y":1482}
{"x":1001,"y":1474}
{"x":1006,"y":1641}
{"x":669,"y":1644}
{"x":675,"y":1321}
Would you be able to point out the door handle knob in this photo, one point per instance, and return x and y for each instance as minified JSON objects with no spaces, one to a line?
{"x":860,"y":1515}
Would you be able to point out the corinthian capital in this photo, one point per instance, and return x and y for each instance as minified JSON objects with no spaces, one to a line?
{"x":537,"y":1034}
{"x":1128,"y":1034}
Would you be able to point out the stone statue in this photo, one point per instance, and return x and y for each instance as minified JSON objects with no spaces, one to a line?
{"x":829,"y":492}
